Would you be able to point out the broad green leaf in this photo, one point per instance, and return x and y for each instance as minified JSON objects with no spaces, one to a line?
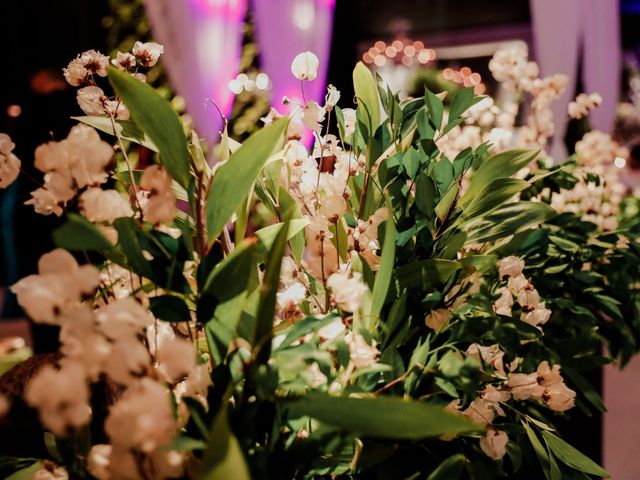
{"x":442,"y":174}
{"x":508,"y":220}
{"x":495,"y":194}
{"x":241,"y":265}
{"x":385,"y":270}
{"x":436,"y":107}
{"x":382,"y":417}
{"x":366,"y":91}
{"x":158,"y":120}
{"x":481,"y":263}
{"x":425,"y":274}
{"x":267,"y":235}
{"x":223,"y":459}
{"x":126,"y":129}
{"x":460,"y":102}
{"x":268,"y":292}
{"x":502,"y":165}
{"x":446,"y":202}
{"x":450,"y":469}
{"x":80,"y":234}
{"x":234,"y":178}
{"x":571,"y":456}
{"x":169,"y":308}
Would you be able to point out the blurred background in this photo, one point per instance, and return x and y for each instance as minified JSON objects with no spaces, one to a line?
{"x":236,"y":54}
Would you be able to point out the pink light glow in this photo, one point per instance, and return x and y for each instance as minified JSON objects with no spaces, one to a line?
{"x":232,"y":9}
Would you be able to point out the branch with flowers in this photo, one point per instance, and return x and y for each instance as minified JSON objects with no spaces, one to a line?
{"x":419,"y":305}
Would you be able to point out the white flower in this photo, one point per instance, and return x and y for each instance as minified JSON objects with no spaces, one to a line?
{"x":99,"y":460}
{"x":305,"y":66}
{"x":158,"y":333}
{"x":537,"y":316}
{"x":142,"y":419}
{"x":176,"y":358}
{"x":494,"y":444}
{"x":60,"y":396}
{"x":75,"y":73}
{"x":349,"y":115}
{"x":559,"y":397}
{"x":347,"y":292}
{"x":492,"y":355}
{"x":331,"y":330}
{"x":289,"y":301}
{"x":436,"y":319}
{"x":147,"y":53}
{"x":198,"y":382}
{"x":99,"y":205}
{"x":583,"y":104}
{"x":124,"y":61}
{"x":361,"y":353}
{"x":161,"y":204}
{"x":95,"y":62}
{"x":332,"y":98}
{"x":92,"y":100}
{"x":9,"y":163}
{"x":129,"y":361}
{"x":313,"y":115}
{"x":315,"y":376}
{"x":123,"y":318}
{"x":517,"y":283}
{"x":524,"y":386}
{"x":83,"y":342}
{"x":529,"y":297}
{"x":481,"y":411}
{"x":510,"y":267}
{"x":332,"y":208}
{"x":60,"y":285}
{"x":503,"y":304}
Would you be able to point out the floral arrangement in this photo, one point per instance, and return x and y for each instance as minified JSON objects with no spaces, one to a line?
{"x":420,"y":305}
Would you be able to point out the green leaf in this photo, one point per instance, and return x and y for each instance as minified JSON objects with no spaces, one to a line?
{"x":385,"y":270}
{"x":158,"y":120}
{"x":366,"y":91}
{"x":443,"y":174}
{"x":26,"y":473}
{"x":303,"y":327}
{"x":571,"y":456}
{"x":79,"y":234}
{"x":446,"y":202}
{"x":460,"y":102}
{"x":425,"y":274}
{"x":436,"y":107}
{"x":450,"y":469}
{"x":541,"y":452}
{"x":267,"y":235}
{"x":235,"y":178}
{"x":508,"y":220}
{"x":170,"y":308}
{"x":223,"y":459}
{"x":126,"y":129}
{"x":289,"y":209}
{"x":268,"y":292}
{"x":502,"y":165}
{"x":382,"y":417}
{"x":495,"y":194}
{"x":240,"y":265}
{"x":130,"y":244}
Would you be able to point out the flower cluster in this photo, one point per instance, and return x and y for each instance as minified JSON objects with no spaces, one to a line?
{"x":83,"y":71}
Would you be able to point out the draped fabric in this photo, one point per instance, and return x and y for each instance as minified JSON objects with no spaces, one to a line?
{"x":579,"y":34}
{"x":203,"y":41}
{"x":285,"y":28}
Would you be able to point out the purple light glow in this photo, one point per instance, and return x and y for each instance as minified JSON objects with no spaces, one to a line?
{"x":285,"y":28}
